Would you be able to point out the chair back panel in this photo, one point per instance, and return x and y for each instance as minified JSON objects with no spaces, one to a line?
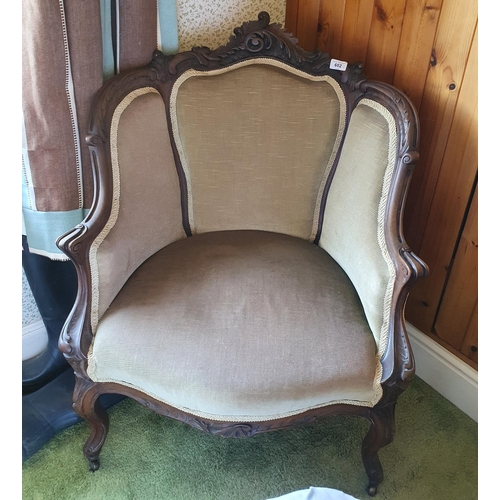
{"x":256,"y":141}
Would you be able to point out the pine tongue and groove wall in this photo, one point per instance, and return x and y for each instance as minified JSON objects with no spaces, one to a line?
{"x":429,"y":50}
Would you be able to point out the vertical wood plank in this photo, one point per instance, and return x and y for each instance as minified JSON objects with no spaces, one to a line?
{"x":331,"y":20}
{"x":356,"y":30}
{"x":470,"y":343}
{"x":291,"y":16}
{"x":415,"y":47}
{"x":307,"y":23}
{"x":451,"y":196}
{"x":85,"y":48}
{"x":383,"y":44}
{"x":458,"y":308}
{"x":451,"y":50}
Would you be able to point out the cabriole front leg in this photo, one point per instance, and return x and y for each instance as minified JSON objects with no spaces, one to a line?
{"x":380,"y":434}
{"x":90,"y":409}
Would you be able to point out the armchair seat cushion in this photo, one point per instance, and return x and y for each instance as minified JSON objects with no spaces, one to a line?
{"x":239,"y":326}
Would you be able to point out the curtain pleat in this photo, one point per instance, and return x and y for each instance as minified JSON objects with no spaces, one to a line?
{"x":49,"y":125}
{"x":69,"y":48}
{"x":86,"y":56}
{"x":137,"y":39}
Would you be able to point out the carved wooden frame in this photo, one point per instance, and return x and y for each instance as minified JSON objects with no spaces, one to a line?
{"x":253,"y":39}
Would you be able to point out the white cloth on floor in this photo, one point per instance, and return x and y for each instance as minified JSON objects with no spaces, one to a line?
{"x":314,"y":493}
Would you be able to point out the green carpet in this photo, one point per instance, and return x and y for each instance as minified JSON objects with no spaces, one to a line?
{"x":147,"y":456}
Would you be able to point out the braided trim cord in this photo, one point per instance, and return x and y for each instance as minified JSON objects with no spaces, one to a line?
{"x":389,"y":171}
{"x":236,"y":418}
{"x":70,"y":94}
{"x":115,"y":205}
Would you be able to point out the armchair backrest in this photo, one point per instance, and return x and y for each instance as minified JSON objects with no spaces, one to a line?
{"x":257,"y":141}
{"x":255,"y":135}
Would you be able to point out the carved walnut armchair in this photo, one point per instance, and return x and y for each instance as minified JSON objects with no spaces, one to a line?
{"x":243,"y":266}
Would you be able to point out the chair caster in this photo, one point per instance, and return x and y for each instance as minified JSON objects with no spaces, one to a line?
{"x":372,"y":490}
{"x":94,"y":465}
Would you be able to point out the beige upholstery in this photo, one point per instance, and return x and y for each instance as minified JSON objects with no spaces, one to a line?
{"x":353,"y":229}
{"x":146,"y":213}
{"x":255,"y":323}
{"x":257,"y":141}
{"x":239,"y":325}
{"x":248,"y":267}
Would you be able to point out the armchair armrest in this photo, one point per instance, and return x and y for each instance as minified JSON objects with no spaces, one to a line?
{"x":362,"y":227}
{"x":136,"y":209}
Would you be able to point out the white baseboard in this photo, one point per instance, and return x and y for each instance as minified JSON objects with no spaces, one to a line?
{"x":34,"y":339}
{"x":444,"y":372}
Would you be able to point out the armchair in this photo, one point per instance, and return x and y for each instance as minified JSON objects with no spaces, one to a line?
{"x":243,"y":267}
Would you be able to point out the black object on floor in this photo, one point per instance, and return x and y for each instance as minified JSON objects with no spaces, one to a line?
{"x":49,"y":410}
{"x":54,"y":285}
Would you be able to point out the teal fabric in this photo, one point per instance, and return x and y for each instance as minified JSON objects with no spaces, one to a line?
{"x":43,"y":229}
{"x":25,"y":196}
{"x":168,"y":40}
{"x":108,"y":61}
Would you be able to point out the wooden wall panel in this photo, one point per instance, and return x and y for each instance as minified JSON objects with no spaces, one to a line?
{"x":292,"y":16}
{"x":458,"y":325}
{"x":427,"y":48}
{"x":450,"y":54}
{"x":305,"y":21}
{"x":451,"y":193}
{"x":470,"y":343}
{"x":331,"y":20}
{"x":358,"y":16}
{"x":415,"y":47}
{"x":383,"y":44}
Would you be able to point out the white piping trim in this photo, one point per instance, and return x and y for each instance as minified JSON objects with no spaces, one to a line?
{"x":391,"y":163}
{"x":158,"y":30}
{"x":25,"y":162}
{"x":70,"y":93}
{"x":115,"y":206}
{"x":228,"y":418}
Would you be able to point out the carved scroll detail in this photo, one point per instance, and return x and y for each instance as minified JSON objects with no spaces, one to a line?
{"x":252,"y":38}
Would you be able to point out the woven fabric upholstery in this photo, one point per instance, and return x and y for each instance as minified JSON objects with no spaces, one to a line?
{"x":146,"y":212}
{"x":353,"y":228}
{"x":256,"y":143}
{"x":239,"y":325}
